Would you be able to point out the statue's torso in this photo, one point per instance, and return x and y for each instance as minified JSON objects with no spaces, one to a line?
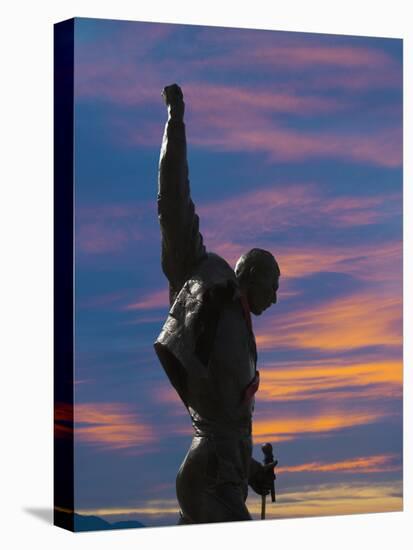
{"x":219,"y":398}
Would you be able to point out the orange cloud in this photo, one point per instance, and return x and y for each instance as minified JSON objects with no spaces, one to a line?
{"x":299,"y":382}
{"x":363,"y":464}
{"x":311,"y":379}
{"x":153,"y":507}
{"x":358,"y":320}
{"x":110,"y":426}
{"x":333,"y":499}
{"x":291,"y":427}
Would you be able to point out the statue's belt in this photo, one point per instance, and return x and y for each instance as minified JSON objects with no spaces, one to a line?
{"x":222,"y":430}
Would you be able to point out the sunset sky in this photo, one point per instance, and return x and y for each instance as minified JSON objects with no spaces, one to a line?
{"x":295,"y":146}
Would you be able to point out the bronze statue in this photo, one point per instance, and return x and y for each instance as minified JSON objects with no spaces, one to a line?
{"x":207,"y":345}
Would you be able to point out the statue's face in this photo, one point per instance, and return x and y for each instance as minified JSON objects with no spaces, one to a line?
{"x":262,"y":291}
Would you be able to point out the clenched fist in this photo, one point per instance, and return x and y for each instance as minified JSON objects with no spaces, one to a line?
{"x":174,"y":100}
{"x":262,"y":477}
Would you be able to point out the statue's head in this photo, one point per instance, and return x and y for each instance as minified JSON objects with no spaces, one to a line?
{"x":258,"y":274}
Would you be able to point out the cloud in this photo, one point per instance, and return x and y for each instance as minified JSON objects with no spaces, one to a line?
{"x":306,"y":62}
{"x":111,"y":426}
{"x":166,"y":394}
{"x":109,"y":229}
{"x":379,"y":265}
{"x":115,"y":65}
{"x":261,"y":215}
{"x":257,"y":131}
{"x":267,"y":211}
{"x":153,"y":300}
{"x":123,"y":64}
{"x":227,"y":116}
{"x":284,"y":50}
{"x":330,"y":380}
{"x":293,"y":427}
{"x":336,"y":499}
{"x":100,"y":301}
{"x":309,"y":56}
{"x":212,"y":99}
{"x":375,"y":264}
{"x":350,"y":322}
{"x":149,"y":319}
{"x":152,"y":507}
{"x":100,"y":239}
{"x":361,"y":464}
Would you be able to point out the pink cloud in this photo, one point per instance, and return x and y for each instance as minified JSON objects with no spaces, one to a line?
{"x":109,"y":229}
{"x":382,"y":264}
{"x":210,"y":98}
{"x":117,"y":64}
{"x":98,"y":239}
{"x":242,"y":118}
{"x":268,"y":210}
{"x":100,"y":301}
{"x":312,"y":56}
{"x":254,"y":134}
{"x":154,"y":300}
{"x":240,"y":126}
{"x":142,"y":320}
{"x":279,"y":49}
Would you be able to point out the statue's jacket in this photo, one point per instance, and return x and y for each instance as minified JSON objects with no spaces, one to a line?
{"x":206,"y":346}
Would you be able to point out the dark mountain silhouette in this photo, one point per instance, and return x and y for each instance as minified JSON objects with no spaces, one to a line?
{"x":90,"y":523}
{"x":95,"y":523}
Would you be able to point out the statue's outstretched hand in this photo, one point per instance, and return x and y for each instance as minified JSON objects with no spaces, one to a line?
{"x":174,"y":100}
{"x":263,"y":478}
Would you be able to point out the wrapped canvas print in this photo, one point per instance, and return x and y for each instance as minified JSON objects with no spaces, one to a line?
{"x":228,"y":274}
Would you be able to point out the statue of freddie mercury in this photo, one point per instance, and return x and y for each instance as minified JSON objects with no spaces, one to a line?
{"x":207,"y":346}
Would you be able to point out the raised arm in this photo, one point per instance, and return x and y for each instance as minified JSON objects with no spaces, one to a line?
{"x":182,"y":244}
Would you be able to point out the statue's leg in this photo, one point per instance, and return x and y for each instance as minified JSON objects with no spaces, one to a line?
{"x":190,"y":481}
{"x":225,"y":502}
{"x":226,"y":489}
{"x":203,"y":496}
